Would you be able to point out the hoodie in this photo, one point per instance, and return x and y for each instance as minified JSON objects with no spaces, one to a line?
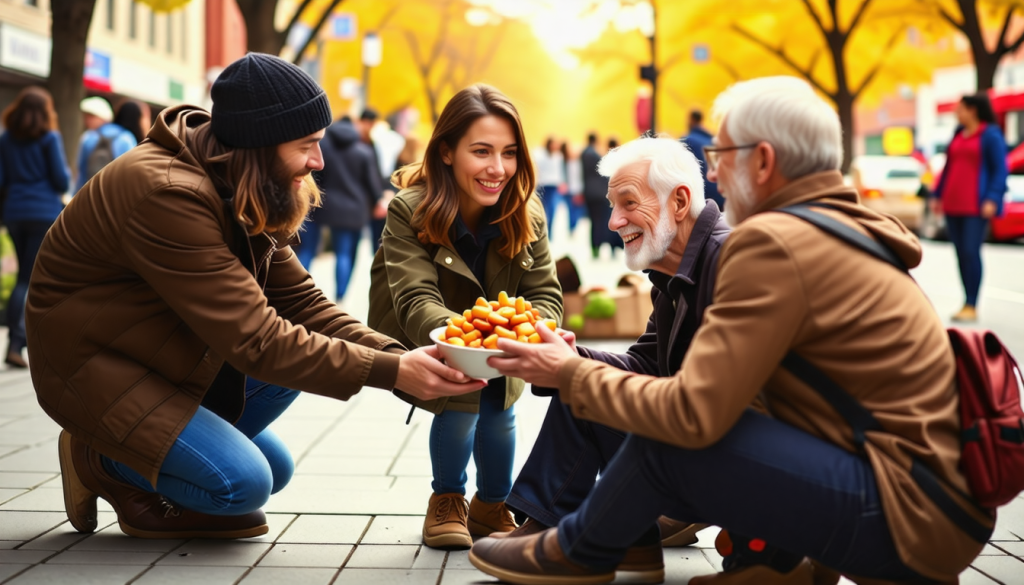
{"x":350,"y":179}
{"x":783,"y":284}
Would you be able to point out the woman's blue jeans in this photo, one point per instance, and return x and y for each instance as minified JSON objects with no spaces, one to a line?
{"x":550,"y":198}
{"x":346,"y":245}
{"x":218,"y":468}
{"x":27,"y":237}
{"x":490,"y":437}
{"x":967,"y":235}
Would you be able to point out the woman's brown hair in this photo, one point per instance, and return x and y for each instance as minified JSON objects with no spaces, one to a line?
{"x":31,"y":114}
{"x":434,"y":216}
{"x":253,"y":179}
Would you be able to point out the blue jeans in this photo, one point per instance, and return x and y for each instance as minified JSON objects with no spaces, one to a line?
{"x":346,"y":245}
{"x":27,"y":237}
{"x":549,"y":198}
{"x":215,"y":467}
{"x":765,"y":479}
{"x":563,"y":465}
{"x":489,"y":436}
{"x":575,"y":211}
{"x":967,"y":234}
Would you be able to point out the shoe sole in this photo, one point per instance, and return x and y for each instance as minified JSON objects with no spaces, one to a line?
{"x":218,"y":534}
{"x":478,"y":529}
{"x":684,"y":537}
{"x":526,"y":579}
{"x":83,"y":521}
{"x":648,"y":577}
{"x":450,"y":541}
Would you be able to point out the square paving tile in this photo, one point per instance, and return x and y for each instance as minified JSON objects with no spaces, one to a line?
{"x":7,"y":571}
{"x":974,"y":577}
{"x":386,"y":577}
{"x":15,"y":479}
{"x":342,"y":466}
{"x":1009,"y":570}
{"x":292,"y":576}
{"x":191,"y":576}
{"x":465,"y":577}
{"x":429,"y":558}
{"x":457,"y":560}
{"x":64,"y":536}
{"x":35,"y":459}
{"x":395,"y":530}
{"x":276,"y":525}
{"x":23,"y":557}
{"x":91,"y":557}
{"x":111,"y":539}
{"x":307,"y":555}
{"x":325,"y":529}
{"x":9,"y":544}
{"x":1015,"y":548}
{"x":28,"y":525}
{"x":216,"y":553}
{"x":383,"y":556}
{"x":77,"y":575}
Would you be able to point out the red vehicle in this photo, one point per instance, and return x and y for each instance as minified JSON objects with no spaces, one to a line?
{"x":1010,"y":225}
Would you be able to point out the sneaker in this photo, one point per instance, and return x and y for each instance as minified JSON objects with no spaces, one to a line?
{"x":968,"y":314}
{"x":485,"y":518}
{"x":445,"y":524}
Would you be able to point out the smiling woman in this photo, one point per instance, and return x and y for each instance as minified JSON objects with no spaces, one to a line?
{"x":465,"y":225}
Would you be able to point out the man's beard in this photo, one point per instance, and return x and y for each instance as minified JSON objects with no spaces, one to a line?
{"x":287,"y":205}
{"x":740,"y":201}
{"x":655,"y":243}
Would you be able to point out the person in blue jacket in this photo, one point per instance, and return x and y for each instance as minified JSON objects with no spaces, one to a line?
{"x":971,"y":190}
{"x":102,"y":141}
{"x":34,"y":175}
{"x":696,"y":140}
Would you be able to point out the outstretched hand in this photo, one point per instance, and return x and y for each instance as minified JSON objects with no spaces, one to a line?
{"x":537,"y":363}
{"x":422,"y":374}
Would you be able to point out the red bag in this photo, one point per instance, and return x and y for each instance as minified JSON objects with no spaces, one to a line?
{"x":992,"y":422}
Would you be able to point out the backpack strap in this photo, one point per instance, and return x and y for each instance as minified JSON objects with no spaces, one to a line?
{"x":856,"y":416}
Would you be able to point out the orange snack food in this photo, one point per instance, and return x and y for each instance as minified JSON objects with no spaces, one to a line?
{"x":485,"y":322}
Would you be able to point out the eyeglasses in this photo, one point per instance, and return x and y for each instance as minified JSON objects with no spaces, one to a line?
{"x":711,"y":153}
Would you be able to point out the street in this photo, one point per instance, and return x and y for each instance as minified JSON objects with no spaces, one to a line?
{"x":353,"y":511}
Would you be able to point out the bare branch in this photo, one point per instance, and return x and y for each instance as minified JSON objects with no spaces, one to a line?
{"x":856,"y":17}
{"x":414,"y":47}
{"x":1015,"y":45}
{"x":484,"y":62}
{"x":316,"y":30}
{"x":817,"y":19}
{"x":781,"y":54}
{"x":1001,"y":41}
{"x":960,"y":26}
{"x":881,"y":62}
{"x":732,"y":71}
{"x":814,"y":59}
{"x":297,"y":15}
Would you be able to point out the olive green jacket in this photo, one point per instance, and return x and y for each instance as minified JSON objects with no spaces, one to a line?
{"x":415,"y":287}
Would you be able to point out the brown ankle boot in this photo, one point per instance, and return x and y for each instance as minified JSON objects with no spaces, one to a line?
{"x":676,"y":533}
{"x":445,"y":524}
{"x":485,"y":518}
{"x":140,"y":514}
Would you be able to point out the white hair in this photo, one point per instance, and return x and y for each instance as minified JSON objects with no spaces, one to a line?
{"x":785,"y":112}
{"x":672,"y":164}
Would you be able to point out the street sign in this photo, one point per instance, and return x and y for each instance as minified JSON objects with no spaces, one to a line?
{"x":701,"y":53}
{"x":343,"y":27}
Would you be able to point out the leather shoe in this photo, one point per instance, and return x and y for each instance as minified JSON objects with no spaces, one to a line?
{"x":445,"y":523}
{"x":531,"y":560}
{"x":15,"y":360}
{"x":486,"y":518}
{"x":676,"y":533}
{"x":139,"y":513}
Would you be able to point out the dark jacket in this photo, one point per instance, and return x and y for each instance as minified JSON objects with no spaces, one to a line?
{"x":145,"y":288}
{"x":595,"y":187}
{"x":993,"y":172}
{"x":35,"y":176}
{"x":415,"y":287}
{"x":350,"y":179}
{"x":697,"y":139}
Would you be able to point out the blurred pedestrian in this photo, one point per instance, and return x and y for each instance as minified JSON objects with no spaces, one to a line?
{"x":350,"y":181}
{"x":697,"y":138}
{"x":33,"y":177}
{"x":550,"y":178}
{"x":614,"y":239}
{"x":465,"y":225}
{"x":131,"y":117}
{"x":367,"y":120}
{"x":971,"y":190}
{"x":573,"y":196}
{"x":595,"y":196}
{"x":103,"y":140}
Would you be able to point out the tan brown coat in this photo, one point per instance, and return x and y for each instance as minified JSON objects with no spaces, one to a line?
{"x":145,"y":287}
{"x":784,"y":284}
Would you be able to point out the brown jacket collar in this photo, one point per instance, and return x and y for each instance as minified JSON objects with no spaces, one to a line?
{"x":808,"y":188}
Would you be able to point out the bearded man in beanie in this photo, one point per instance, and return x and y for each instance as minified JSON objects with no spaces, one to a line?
{"x":170,"y":322}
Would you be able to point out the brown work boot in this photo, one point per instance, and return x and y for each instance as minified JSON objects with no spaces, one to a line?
{"x":676,"y":533}
{"x":533,"y":559}
{"x":140,"y":514}
{"x":968,"y":314}
{"x":485,"y":518}
{"x":445,"y":524}
{"x":645,"y":563}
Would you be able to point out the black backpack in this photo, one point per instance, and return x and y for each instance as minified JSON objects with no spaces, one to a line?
{"x":102,"y":155}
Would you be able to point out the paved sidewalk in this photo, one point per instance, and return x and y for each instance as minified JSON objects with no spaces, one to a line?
{"x":353,"y":513}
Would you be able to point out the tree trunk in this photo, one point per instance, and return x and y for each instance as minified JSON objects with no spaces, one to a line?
{"x":70,"y":30}
{"x":843,"y":97}
{"x":261,"y":36}
{"x":985,"y":67}
{"x":844,"y":105}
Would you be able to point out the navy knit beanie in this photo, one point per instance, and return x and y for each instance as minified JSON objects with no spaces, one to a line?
{"x":262,"y":100}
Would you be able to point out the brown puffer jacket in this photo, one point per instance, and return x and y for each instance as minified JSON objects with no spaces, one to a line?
{"x":147,"y":299}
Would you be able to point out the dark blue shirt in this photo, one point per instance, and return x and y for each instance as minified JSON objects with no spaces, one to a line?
{"x":697,"y":139}
{"x":473,"y":249}
{"x":35,"y":176}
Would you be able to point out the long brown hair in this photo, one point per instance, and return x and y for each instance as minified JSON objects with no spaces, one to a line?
{"x":250,"y":176}
{"x":435,"y":215}
{"x":31,"y":114}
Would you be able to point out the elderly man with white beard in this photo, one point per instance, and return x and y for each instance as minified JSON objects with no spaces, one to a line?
{"x":656,"y":191}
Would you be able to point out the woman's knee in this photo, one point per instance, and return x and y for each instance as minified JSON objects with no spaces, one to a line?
{"x":250,"y":490}
{"x":282,"y":466}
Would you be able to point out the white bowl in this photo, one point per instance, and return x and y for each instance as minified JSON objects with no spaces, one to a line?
{"x":471,"y":361}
